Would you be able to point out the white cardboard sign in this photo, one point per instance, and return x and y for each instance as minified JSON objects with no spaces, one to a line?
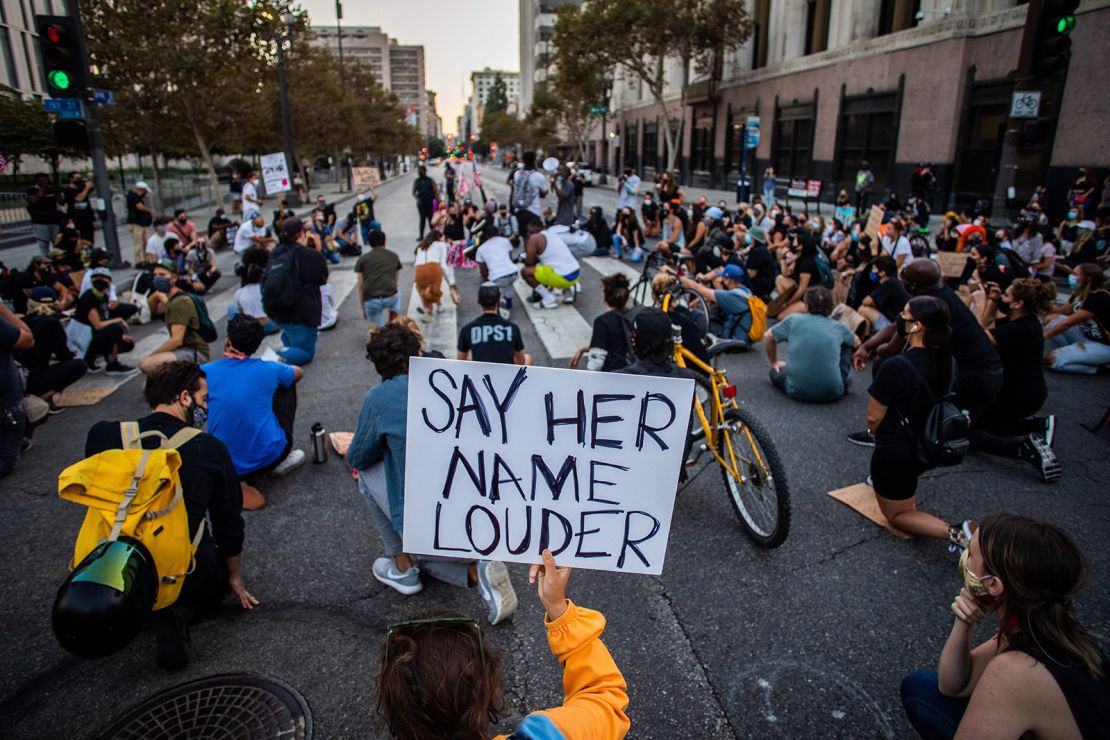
{"x":274,"y":174}
{"x":503,"y":461}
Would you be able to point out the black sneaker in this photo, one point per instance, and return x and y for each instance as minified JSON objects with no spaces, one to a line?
{"x":24,"y":445}
{"x":535,"y":297}
{"x":1040,"y":456}
{"x":115,"y":367}
{"x":94,"y":366}
{"x":863,"y":439}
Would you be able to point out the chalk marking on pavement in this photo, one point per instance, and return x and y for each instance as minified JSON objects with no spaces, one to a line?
{"x":562,"y":330}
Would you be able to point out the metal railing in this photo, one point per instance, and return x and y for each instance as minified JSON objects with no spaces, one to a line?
{"x":14,"y":218}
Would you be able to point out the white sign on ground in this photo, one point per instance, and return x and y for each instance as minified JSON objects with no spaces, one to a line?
{"x":504,"y":461}
{"x":275,"y":176}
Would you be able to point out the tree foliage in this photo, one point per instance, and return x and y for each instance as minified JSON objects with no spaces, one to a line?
{"x":578,"y":82}
{"x":25,"y":128}
{"x":497,"y":100}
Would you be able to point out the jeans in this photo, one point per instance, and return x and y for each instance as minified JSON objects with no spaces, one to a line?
{"x":378,"y":309}
{"x":934,"y":715}
{"x":1075,"y":353}
{"x":299,"y":341}
{"x":365,"y":227}
{"x":12,"y":424}
{"x":618,"y":244}
{"x":44,"y":237}
{"x":372,"y":486}
{"x":1070,"y":335}
{"x":332,"y":257}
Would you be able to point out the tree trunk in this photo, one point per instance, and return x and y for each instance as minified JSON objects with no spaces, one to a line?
{"x":206,"y":156}
{"x":157,"y":182}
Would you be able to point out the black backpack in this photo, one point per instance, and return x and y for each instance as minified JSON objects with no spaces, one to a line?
{"x":207,"y":329}
{"x":281,"y":283}
{"x":628,"y":325}
{"x":944,"y":439}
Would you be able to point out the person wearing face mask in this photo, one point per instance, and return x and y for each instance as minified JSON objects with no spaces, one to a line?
{"x":251,"y":201}
{"x":1080,"y":336}
{"x":78,"y":194}
{"x":887,"y":298}
{"x":759,"y":265}
{"x":1042,"y":673}
{"x":177,"y":393}
{"x":182,"y":322}
{"x":93,"y":333}
{"x":650,"y":213}
{"x":156,"y":244}
{"x":1068,"y":231}
{"x":252,"y":233}
{"x":902,"y":395}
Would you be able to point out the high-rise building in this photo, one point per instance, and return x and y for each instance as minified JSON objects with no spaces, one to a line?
{"x":435,"y":123}
{"x":481,"y":82}
{"x":537,"y":24}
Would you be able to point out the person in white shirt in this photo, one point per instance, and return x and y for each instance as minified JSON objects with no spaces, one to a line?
{"x":493,"y":254}
{"x":629,"y":189}
{"x":156,"y":244}
{"x":431,"y":269}
{"x":896,"y":244}
{"x":548,"y":266}
{"x":252,"y":232}
{"x":251,"y":201}
{"x":248,"y":300}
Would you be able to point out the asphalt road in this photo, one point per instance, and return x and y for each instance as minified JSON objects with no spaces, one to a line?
{"x":809,"y":640}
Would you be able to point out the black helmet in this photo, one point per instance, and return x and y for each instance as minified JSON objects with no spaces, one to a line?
{"x":106,"y":599}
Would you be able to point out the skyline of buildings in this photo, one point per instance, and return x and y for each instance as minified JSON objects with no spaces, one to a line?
{"x":537,"y":25}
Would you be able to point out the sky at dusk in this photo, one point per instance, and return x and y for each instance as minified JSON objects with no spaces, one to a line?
{"x":457,"y":37}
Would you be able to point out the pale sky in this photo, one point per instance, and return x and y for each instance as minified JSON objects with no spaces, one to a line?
{"x":458,"y":37}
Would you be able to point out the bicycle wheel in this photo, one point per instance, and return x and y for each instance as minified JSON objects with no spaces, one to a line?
{"x":762,"y":500}
{"x":696,"y":305}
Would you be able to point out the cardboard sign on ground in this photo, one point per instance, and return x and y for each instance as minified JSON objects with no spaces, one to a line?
{"x":340,"y":441}
{"x":504,"y":461}
{"x":82,"y":396}
{"x":861,"y":497}
{"x":952,"y":264}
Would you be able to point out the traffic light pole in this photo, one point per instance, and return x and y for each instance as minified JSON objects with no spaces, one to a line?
{"x":96,"y":148}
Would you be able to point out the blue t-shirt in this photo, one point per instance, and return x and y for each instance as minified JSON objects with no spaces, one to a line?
{"x":738,"y":316}
{"x":241,"y":412}
{"x":813,"y":362}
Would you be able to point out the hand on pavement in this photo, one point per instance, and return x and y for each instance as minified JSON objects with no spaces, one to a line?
{"x":245,"y":599}
{"x":551,"y":585}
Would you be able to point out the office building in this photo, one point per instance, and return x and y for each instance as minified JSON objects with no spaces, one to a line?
{"x":537,"y":24}
{"x":481,"y":82}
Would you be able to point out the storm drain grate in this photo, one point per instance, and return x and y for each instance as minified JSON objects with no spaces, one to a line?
{"x":239,"y":706}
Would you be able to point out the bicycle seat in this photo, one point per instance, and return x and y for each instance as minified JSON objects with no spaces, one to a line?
{"x":728,"y":345}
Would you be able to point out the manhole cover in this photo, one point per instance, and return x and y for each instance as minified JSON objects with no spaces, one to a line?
{"x":232,"y":705}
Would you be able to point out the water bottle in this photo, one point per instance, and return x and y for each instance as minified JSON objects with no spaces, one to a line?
{"x":319,"y":443}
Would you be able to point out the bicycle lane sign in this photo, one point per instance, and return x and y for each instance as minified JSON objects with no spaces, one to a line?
{"x":503,"y":461}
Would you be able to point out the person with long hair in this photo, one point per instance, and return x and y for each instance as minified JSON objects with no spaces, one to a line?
{"x":608,"y":348}
{"x":673,"y":240}
{"x":1007,"y":427}
{"x":1081,"y":337}
{"x":901,"y":399}
{"x":1042,"y":674}
{"x":431,"y":269}
{"x":627,"y":235}
{"x":799,"y":273}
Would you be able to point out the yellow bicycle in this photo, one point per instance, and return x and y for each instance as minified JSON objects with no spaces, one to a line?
{"x":750,"y":466}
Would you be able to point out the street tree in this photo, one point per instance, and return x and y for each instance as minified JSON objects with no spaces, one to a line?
{"x":25,"y":128}
{"x":641,"y":36}
{"x":578,"y":82}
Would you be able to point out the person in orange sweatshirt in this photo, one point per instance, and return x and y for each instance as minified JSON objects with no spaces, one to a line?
{"x":440,"y":678}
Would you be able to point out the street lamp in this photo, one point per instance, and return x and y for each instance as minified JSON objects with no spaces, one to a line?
{"x":609,"y":78}
{"x":281,"y":39}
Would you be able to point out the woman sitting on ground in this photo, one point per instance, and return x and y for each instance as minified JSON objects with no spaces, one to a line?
{"x":608,"y":349}
{"x":1081,"y":336}
{"x":799,"y":273}
{"x":628,"y":236}
{"x":440,"y":677}
{"x":1042,"y":673}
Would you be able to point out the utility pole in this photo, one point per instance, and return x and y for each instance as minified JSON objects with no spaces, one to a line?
{"x":96,"y":145}
{"x":286,"y":126}
{"x":345,"y":164}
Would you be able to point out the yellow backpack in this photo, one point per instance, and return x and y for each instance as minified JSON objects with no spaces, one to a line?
{"x":759,"y":318}
{"x":137,"y":493}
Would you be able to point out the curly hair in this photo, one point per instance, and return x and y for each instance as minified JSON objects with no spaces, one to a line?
{"x":390,"y":348}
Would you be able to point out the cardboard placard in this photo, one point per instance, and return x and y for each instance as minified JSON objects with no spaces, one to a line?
{"x":952,"y":264}
{"x":365,"y":177}
{"x":503,"y":461}
{"x":275,"y":176}
{"x":874,"y":223}
{"x":861,"y":497}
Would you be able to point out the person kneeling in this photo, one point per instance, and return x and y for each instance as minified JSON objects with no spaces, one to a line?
{"x":251,"y":407}
{"x":820,"y":351}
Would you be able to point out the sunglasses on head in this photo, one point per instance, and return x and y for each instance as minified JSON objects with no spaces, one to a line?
{"x":437,"y":623}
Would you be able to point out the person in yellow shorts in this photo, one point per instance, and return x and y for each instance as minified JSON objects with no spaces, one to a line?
{"x":549,"y":266}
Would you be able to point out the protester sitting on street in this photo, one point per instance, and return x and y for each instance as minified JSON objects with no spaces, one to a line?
{"x":102,"y":335}
{"x":649,"y":211}
{"x":1081,"y":337}
{"x":431,"y":268}
{"x":759,"y":264}
{"x":609,"y":347}
{"x":506,"y":223}
{"x":38,"y":274}
{"x":379,"y":269}
{"x":418,"y":699}
{"x":900,"y":403}
{"x":694,"y":331}
{"x":652,"y":338}
{"x":628,"y":236}
{"x":218,"y":227}
{"x":319,"y":237}
{"x":730,"y":314}
{"x":182,"y":323}
{"x":1007,"y":427}
{"x":177,"y":394}
{"x":1067,"y":232}
{"x":99,"y":258}
{"x":820,"y":357}
{"x":597,"y":227}
{"x":248,"y":300}
{"x":251,"y":407}
{"x":377,"y":452}
{"x":1041,"y":673}
{"x":491,"y":338}
{"x":799,"y":272}
{"x":156,"y":244}
{"x":549,"y":266}
{"x":896,"y":244}
{"x":493,"y":254}
{"x":673,"y":239}
{"x":200,"y":265}
{"x":884,"y":303}
{"x":300,"y":321}
{"x":44,"y":376}
{"x":252,"y":233}
{"x":185,"y":230}
{"x":15,"y":336}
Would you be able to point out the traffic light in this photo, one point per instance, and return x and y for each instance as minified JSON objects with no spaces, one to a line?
{"x":71,"y":133}
{"x":64,"y":69}
{"x":1053,"y":49}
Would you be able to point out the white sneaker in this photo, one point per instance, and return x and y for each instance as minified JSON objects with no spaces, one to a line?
{"x":547,"y":297}
{"x":270,"y":356}
{"x":497,"y":590}
{"x":408,"y":583}
{"x":292,"y":461}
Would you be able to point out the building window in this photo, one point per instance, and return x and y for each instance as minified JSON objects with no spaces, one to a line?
{"x":701,"y":143}
{"x":897,"y":15}
{"x":817,"y":25}
{"x":793,"y":142}
{"x":650,"y":156}
{"x":592,"y":155}
{"x":7,"y":61}
{"x":628,"y":146}
{"x":866,"y":134}
{"x":761,"y":19}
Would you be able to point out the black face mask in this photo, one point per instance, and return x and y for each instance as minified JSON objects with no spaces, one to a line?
{"x":101,"y":285}
{"x":1004,"y":308}
{"x":901,"y":327}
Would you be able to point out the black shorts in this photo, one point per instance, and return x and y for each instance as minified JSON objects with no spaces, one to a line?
{"x":894,"y":472}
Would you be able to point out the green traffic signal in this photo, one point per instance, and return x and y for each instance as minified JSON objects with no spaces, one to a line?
{"x":60,"y":80}
{"x":1065,"y":24}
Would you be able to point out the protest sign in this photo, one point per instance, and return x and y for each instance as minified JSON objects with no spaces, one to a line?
{"x":874,"y":223}
{"x":365,"y":177}
{"x":504,"y":461}
{"x":275,"y":176}
{"x":952,"y":264}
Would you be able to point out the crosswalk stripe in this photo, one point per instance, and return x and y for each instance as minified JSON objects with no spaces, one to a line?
{"x":562,"y":330}
{"x":608,"y":266}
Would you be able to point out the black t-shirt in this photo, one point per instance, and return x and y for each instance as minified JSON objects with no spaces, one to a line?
{"x":650,"y":212}
{"x":609,"y":335}
{"x":807,"y":266}
{"x":1021,"y":347}
{"x":971,"y":348}
{"x":313,"y":268}
{"x":134,"y":214}
{"x":490,"y":338}
{"x":216,"y":223}
{"x":890,"y":298}
{"x":425,"y":189}
{"x":897,"y":388}
{"x":80,"y":211}
{"x":760,"y":260}
{"x":693,"y":333}
{"x":1096,"y":330}
{"x":453,"y":229}
{"x":88,"y":301}
{"x":208,"y":479}
{"x":45,"y":209}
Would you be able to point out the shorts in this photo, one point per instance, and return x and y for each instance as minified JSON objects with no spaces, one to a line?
{"x":189,"y":354}
{"x":546,"y":275}
{"x":894,"y":472}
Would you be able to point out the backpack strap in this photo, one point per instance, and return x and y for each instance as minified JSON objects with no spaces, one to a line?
{"x":128,"y":497}
{"x":129,"y":435}
{"x":182,"y":436}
